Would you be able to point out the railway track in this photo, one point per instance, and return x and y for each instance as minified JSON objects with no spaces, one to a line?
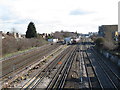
{"x":59,"y":79}
{"x":98,"y":74}
{"x":106,"y":75}
{"x":22,"y":53}
{"x":79,"y":67}
{"x":94,"y":72}
{"x":93,"y":80}
{"x":18,"y":62}
{"x":88,"y":72}
{"x":73,"y":77}
{"x":36,"y":58}
{"x":85,"y":76}
{"x":33,"y":83}
{"x":113,"y":77}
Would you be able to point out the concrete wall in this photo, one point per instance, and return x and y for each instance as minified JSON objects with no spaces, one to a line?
{"x":111,"y":57}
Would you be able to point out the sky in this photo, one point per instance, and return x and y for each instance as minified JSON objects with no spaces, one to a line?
{"x":49,"y":16}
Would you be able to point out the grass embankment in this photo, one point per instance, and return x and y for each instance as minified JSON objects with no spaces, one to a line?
{"x":18,"y":52}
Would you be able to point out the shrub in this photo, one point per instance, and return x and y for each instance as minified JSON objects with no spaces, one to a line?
{"x":99,"y":42}
{"x":102,"y":43}
{"x":109,"y":45}
{"x":10,"y":45}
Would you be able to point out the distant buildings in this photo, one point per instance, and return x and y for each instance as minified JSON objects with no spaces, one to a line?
{"x":11,"y":35}
{"x":93,"y":33}
{"x":110,"y":32}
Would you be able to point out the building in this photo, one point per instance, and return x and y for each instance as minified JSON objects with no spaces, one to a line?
{"x":2,"y":35}
{"x":10,"y":35}
{"x":110,"y":32}
{"x":93,"y":33}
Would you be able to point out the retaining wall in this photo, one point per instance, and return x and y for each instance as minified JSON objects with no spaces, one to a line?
{"x":113,"y":58}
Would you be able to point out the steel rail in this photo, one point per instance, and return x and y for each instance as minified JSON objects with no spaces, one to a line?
{"x":82,"y":60}
{"x":66,"y":72}
{"x":61,"y":74}
{"x":98,"y":59}
{"x":107,"y":65}
{"x":48,"y":68}
{"x":93,"y":68}
{"x":107,"y":70}
{"x":23,"y":68}
{"x":17,"y":69}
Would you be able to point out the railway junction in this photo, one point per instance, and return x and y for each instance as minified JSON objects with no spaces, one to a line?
{"x":77,"y":66}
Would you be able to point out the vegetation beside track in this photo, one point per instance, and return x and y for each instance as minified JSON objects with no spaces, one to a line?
{"x":11,"y":46}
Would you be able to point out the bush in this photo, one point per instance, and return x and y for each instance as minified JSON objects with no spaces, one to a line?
{"x":109,"y":45}
{"x":102,"y":43}
{"x":10,"y":45}
{"x":99,"y":42}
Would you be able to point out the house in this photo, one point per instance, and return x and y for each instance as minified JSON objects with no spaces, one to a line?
{"x":10,"y":35}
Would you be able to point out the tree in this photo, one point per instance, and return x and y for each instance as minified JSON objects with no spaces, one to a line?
{"x":99,"y":42}
{"x":31,"y":31}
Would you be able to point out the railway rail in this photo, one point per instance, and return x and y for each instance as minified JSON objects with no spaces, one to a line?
{"x":18,"y":71}
{"x":72,"y":78}
{"x":17,"y":63}
{"x":45,"y":72}
{"x":107,"y":77}
{"x":94,"y":71}
{"x":58,"y":80}
{"x":86,"y":74}
{"x":113,"y":77}
{"x":93,"y":79}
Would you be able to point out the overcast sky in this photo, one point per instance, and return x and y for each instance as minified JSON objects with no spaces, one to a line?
{"x":55,"y":15}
